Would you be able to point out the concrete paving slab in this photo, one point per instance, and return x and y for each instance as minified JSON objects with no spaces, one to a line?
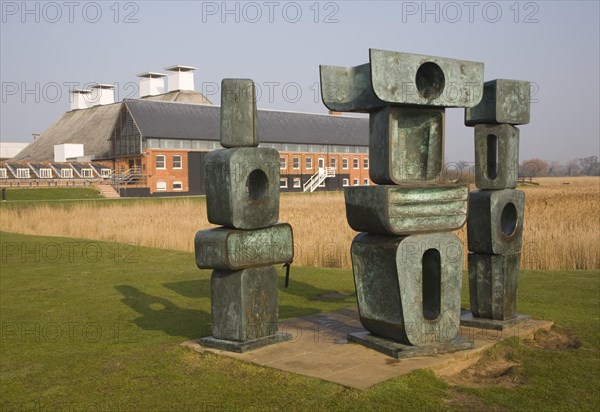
{"x":319,"y":348}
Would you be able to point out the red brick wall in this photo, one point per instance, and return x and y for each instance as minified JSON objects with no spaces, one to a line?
{"x":169,"y":174}
{"x":361,"y":173}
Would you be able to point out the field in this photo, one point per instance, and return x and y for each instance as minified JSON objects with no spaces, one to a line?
{"x":89,"y":325}
{"x":59,"y":193}
{"x":562,"y":223}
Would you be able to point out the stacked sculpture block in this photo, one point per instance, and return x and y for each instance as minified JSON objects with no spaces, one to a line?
{"x":495,"y":222}
{"x":242,"y":195}
{"x":407,"y":265}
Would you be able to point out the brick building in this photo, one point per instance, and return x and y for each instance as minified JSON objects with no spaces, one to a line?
{"x":156,"y":145}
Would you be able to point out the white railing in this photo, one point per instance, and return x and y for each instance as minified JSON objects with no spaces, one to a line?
{"x":315,"y":181}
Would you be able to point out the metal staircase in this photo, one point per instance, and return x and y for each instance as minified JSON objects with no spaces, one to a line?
{"x":129,"y":176}
{"x":323,"y":173}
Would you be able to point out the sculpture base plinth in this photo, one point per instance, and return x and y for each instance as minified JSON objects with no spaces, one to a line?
{"x":399,"y":350}
{"x":241,"y":347}
{"x":467,"y":319}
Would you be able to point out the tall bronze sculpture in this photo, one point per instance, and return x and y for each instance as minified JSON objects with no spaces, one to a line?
{"x":407,"y":265}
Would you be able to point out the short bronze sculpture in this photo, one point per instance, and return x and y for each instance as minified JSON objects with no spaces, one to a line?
{"x":242,"y":195}
{"x":495,"y":222}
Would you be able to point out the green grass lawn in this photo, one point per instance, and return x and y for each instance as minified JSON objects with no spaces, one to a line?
{"x":54,"y":193}
{"x":90,"y":325}
{"x":61,"y":197}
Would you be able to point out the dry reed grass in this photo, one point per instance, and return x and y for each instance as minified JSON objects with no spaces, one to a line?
{"x":562,"y":224}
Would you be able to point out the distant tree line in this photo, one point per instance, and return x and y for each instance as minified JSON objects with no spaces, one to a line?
{"x":587,"y":166}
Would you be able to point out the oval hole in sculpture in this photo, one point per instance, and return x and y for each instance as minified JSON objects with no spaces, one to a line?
{"x":432,"y":284}
{"x":508,"y":219}
{"x":257,"y":185}
{"x":430,"y":80}
{"x":492,"y":157}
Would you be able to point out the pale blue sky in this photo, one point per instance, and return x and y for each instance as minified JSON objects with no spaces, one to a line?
{"x":553,"y":44}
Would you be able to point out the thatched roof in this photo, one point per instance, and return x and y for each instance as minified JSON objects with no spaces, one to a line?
{"x":91,"y":127}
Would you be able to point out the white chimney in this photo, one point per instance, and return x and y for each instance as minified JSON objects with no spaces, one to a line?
{"x":65,"y":151}
{"x":182,"y":78}
{"x":105,"y":94}
{"x":151,"y":83}
{"x":80,"y":99}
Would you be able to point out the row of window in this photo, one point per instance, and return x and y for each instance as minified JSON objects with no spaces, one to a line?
{"x":297,"y":183}
{"x":152,"y":143}
{"x":46,"y":173}
{"x":176,"y":162}
{"x":308,"y":163}
{"x":163,"y":185}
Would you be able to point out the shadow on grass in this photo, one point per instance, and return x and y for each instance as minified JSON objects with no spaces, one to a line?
{"x":197,"y":288}
{"x":200,"y":288}
{"x":163,"y":315}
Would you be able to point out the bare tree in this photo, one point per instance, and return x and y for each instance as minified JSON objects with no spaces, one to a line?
{"x":533,"y":168}
{"x":590,"y":166}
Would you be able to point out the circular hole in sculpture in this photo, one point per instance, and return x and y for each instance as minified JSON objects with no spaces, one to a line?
{"x":257,"y":185}
{"x":508,"y":219}
{"x":430,"y":80}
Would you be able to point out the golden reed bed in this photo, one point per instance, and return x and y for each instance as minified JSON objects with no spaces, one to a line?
{"x":562,"y":224}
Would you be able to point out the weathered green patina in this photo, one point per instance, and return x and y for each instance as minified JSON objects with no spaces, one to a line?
{"x":233,"y":249}
{"x":493,"y":283}
{"x":395,"y":78}
{"x":496,"y":156}
{"x":406,"y":144}
{"x":244,"y":303}
{"x":242,"y":187}
{"x":504,"y":101}
{"x":407,"y":209}
{"x":408,"y":288}
{"x":242,"y":194}
{"x":238,"y":113}
{"x":495,"y":221}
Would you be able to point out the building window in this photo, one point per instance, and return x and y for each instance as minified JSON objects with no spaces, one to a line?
{"x":283,"y":163}
{"x":366,"y":182}
{"x":23,"y":173}
{"x":176,"y":162}
{"x":86,"y":172}
{"x":366,"y":163}
{"x":46,"y":173}
{"x":177,"y":186}
{"x":355,"y":182}
{"x":322,"y":184}
{"x":283,"y":183}
{"x":297,"y":182}
{"x":160,"y":163}
{"x":345,"y":182}
{"x":106,"y":172}
{"x":355,"y":163}
{"x":66,"y":173}
{"x":344,"y":163}
{"x":3,"y":174}
{"x":321,"y":163}
{"x":333,"y":162}
{"x":308,"y":163}
{"x":296,"y":163}
{"x":161,"y":185}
